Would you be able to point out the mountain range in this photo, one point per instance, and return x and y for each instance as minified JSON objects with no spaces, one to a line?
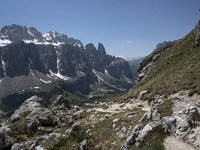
{"x":29,"y":59}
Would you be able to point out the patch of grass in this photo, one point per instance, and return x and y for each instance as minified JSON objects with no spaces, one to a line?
{"x":153,"y":141}
{"x":70,"y":143}
{"x":165,"y":109}
{"x":19,"y":125}
{"x":19,"y":128}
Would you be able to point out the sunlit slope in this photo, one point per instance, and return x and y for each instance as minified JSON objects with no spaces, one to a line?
{"x":177,"y":68}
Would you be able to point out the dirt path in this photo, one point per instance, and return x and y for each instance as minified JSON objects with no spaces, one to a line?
{"x":118,"y":107}
{"x":171,"y":143}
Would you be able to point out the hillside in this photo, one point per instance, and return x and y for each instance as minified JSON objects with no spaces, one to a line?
{"x":175,"y":69}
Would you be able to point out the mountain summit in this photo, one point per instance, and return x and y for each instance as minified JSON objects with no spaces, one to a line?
{"x":16,"y":33}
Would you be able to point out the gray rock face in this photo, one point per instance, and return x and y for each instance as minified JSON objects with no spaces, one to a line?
{"x":197,"y":37}
{"x":83,"y":145}
{"x":71,"y":63}
{"x":60,"y":100}
{"x":38,"y":143}
{"x":33,"y":103}
{"x":37,"y":114}
{"x":5,"y":138}
{"x":138,"y":134}
{"x":64,"y":111}
{"x":181,"y":122}
{"x":45,"y":122}
{"x":40,"y":117}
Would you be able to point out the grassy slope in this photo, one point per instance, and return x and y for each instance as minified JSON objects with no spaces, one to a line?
{"x":176,"y":69}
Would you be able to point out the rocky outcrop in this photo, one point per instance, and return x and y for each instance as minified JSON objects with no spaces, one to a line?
{"x":64,"y":112}
{"x":197,"y":36}
{"x":40,"y":117}
{"x":183,"y":123}
{"x":40,"y":142}
{"x":43,"y":126}
{"x":6,"y":139}
{"x":60,"y":100}
{"x":34,"y":103}
{"x":138,"y":134}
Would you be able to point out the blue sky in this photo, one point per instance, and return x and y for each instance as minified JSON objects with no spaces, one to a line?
{"x":128,"y":28}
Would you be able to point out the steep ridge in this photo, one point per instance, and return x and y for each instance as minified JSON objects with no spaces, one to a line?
{"x":170,"y":69}
{"x":169,"y":80}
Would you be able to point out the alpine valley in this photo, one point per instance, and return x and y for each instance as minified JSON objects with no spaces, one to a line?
{"x":58,"y":94}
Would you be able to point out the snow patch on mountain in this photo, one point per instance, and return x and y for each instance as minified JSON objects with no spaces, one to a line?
{"x":35,"y":41}
{"x":113,"y":86}
{"x":59,"y":75}
{"x":47,"y":36}
{"x":45,"y":81}
{"x":4,"y":42}
{"x":31,"y":33}
{"x":4,"y":68}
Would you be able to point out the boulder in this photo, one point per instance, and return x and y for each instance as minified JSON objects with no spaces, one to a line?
{"x":39,"y":143}
{"x":153,"y":113}
{"x":181,"y":122}
{"x":40,"y":117}
{"x":138,"y":134}
{"x":6,"y":140}
{"x":18,"y":146}
{"x":33,"y":103}
{"x":83,"y":145}
{"x":60,"y":100}
{"x":142,"y":93}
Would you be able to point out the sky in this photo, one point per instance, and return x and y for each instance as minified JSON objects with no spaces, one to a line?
{"x":127,"y":28}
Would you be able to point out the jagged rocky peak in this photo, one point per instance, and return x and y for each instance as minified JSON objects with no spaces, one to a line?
{"x":101,"y":49}
{"x":90,"y":46}
{"x":197,"y":36}
{"x":162,"y":44}
{"x":16,"y":33}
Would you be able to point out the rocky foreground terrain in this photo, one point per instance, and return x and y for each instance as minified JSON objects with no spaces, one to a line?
{"x":137,"y":124}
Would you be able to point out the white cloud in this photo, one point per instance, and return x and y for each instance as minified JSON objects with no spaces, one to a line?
{"x":128,"y":42}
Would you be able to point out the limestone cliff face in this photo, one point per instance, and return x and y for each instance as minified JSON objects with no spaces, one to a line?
{"x":27,"y":65}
